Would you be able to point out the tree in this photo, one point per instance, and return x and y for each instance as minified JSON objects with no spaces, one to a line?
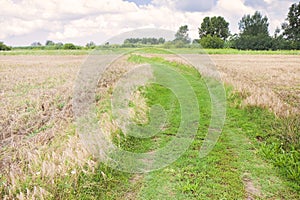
{"x":36,"y":44}
{"x":292,"y":25}
{"x":179,"y":44}
{"x":151,"y":41}
{"x":69,"y":46}
{"x":212,"y":42}
{"x":90,"y":45}
{"x":231,"y":40}
{"x":183,"y":35}
{"x":49,"y":43}
{"x":254,"y":33}
{"x":254,"y":42}
{"x":278,"y":41}
{"x":277,"y":32}
{"x":215,"y":26}
{"x":59,"y":44}
{"x":3,"y":47}
{"x":254,"y":25}
{"x":161,"y":40}
{"x":196,"y":41}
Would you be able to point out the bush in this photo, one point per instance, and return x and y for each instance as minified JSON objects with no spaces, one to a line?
{"x":253,"y":42}
{"x":212,"y":42}
{"x":168,"y":45}
{"x":3,"y":47}
{"x":179,"y":44}
{"x":295,"y":45}
{"x":280,"y":43}
{"x":69,"y":46}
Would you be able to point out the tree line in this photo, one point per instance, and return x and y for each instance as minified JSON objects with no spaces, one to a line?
{"x":151,"y":41}
{"x":254,"y":32}
{"x":50,"y":45}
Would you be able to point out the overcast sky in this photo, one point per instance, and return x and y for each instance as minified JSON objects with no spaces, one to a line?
{"x":23,"y":22}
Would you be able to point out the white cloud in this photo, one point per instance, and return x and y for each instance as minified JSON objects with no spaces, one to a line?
{"x":232,"y":12}
{"x":268,"y":1}
{"x":109,"y":24}
{"x":84,"y":20}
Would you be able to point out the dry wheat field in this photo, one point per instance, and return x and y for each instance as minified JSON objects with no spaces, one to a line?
{"x":36,"y":108}
{"x":269,"y":81}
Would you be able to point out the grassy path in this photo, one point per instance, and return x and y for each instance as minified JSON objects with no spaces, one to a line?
{"x":233,"y":170}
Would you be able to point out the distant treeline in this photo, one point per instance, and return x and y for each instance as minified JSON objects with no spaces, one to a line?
{"x":50,"y":45}
{"x":254,"y":34}
{"x":152,"y":41}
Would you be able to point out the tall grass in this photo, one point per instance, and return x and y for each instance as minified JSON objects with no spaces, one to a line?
{"x":282,"y":146}
{"x":277,"y":138}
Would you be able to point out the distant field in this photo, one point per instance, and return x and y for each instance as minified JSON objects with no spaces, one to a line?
{"x":152,"y":50}
{"x":232,"y":51}
{"x":45,"y":52}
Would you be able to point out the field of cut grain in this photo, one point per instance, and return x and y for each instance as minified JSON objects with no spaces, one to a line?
{"x":38,"y":139}
{"x":37,"y":136}
{"x":268,"y":81}
{"x":36,"y":93}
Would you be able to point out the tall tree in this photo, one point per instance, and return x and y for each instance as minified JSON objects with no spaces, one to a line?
{"x":215,"y":26}
{"x":254,"y":33}
{"x":182,"y":35}
{"x":49,"y":43}
{"x":36,"y":44}
{"x":292,"y":26}
{"x":254,"y":25}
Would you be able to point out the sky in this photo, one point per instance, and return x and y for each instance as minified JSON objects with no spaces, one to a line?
{"x":23,"y":22}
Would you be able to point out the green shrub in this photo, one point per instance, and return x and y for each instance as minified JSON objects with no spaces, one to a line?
{"x":212,"y":42}
{"x":3,"y":47}
{"x":253,"y":42}
{"x":179,"y":44}
{"x":69,"y":46}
